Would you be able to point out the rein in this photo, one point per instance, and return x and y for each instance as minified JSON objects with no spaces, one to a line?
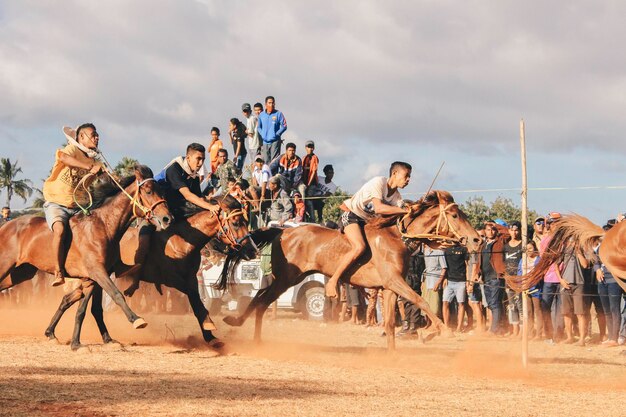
{"x":225,"y":230}
{"x":443,"y":224}
{"x":135,"y":200}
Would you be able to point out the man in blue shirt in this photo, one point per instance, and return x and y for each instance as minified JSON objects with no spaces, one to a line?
{"x":272,"y":124}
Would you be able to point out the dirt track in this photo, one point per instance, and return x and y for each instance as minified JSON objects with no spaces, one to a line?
{"x":303,"y":368}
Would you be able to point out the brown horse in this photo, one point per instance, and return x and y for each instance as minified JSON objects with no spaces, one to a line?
{"x":435,"y":219}
{"x":173,"y":260}
{"x":94,"y":247}
{"x":585,"y":235}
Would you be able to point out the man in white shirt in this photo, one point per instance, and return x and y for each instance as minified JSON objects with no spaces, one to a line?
{"x":377,"y":197}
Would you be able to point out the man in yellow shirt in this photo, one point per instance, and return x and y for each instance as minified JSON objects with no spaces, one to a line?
{"x":71,"y":164}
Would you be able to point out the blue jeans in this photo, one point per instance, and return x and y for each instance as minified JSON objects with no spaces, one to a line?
{"x":611,"y":298}
{"x":494,"y":290}
{"x":240,"y":161}
{"x":550,"y":300}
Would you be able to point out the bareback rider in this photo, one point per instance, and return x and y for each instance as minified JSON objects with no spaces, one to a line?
{"x":180,"y":181}
{"x":377,"y":197}
{"x":60,"y":191}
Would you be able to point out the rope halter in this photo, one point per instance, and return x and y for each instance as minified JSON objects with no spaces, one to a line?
{"x":136,"y":201}
{"x":443,"y":226}
{"x":226,"y":229}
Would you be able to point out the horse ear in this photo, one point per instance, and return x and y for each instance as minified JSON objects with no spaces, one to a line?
{"x":138,"y":175}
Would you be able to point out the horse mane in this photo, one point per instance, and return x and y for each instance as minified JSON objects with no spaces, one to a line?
{"x":571,"y":231}
{"x":106,"y":189}
{"x":432,"y":199}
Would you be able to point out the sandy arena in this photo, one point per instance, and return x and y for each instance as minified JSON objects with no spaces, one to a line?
{"x":303,"y":368}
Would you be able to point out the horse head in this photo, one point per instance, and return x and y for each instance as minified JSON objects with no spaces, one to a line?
{"x":233,"y":227}
{"x":148,"y":201}
{"x":438,"y":220}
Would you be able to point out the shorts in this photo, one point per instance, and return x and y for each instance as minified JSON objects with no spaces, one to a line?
{"x":475,"y":295}
{"x":57,"y":213}
{"x":352,"y":296}
{"x":349,"y":217}
{"x":454,"y":289}
{"x":572,"y":300}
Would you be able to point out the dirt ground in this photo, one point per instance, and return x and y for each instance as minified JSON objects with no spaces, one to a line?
{"x":302,"y":368}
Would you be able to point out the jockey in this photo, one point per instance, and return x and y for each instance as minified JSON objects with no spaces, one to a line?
{"x":60,"y":192}
{"x":377,"y":197}
{"x":180,"y":180}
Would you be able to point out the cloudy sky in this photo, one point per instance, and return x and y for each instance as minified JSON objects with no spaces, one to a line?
{"x":370,"y":82}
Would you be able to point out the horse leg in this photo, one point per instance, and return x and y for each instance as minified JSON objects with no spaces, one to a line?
{"x":401,"y":288}
{"x":101,"y":277}
{"x":67,"y":301}
{"x":202,"y":315}
{"x":98,"y":314}
{"x":80,"y":318}
{"x":389,"y":301}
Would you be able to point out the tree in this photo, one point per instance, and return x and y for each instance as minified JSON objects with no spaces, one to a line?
{"x":479,"y":212}
{"x":8,"y":173}
{"x":125,"y":167}
{"x":332,"y":212}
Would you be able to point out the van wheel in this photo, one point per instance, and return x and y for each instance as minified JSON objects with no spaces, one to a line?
{"x":313,"y":304}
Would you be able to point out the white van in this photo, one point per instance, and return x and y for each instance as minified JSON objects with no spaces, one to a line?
{"x":306,"y":297}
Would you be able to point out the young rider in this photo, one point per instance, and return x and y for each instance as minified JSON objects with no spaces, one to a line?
{"x":377,"y":197}
{"x":71,"y":165}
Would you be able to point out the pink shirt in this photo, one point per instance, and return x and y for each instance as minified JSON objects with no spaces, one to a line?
{"x":550,"y":276}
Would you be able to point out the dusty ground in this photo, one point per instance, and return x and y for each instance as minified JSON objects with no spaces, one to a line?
{"x":303,"y":369}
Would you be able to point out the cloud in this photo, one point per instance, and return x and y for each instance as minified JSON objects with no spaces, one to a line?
{"x":364,"y":79}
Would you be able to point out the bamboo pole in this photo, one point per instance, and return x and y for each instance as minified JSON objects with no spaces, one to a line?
{"x":525,"y":330}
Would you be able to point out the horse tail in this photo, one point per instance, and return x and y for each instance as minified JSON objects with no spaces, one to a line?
{"x":570,"y":229}
{"x":261,"y":238}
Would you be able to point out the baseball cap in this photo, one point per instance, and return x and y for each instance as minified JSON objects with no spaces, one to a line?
{"x":501,"y":222}
{"x":309,"y":144}
{"x":246,"y":107}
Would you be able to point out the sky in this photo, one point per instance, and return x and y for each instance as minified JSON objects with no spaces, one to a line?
{"x":370,"y":82}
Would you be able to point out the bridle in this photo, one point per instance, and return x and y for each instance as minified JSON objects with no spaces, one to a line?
{"x":443,"y":226}
{"x":226,"y":230}
{"x":135,"y":200}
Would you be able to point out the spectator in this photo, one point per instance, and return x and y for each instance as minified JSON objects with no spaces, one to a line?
{"x":512,"y":258}
{"x":491,"y":269}
{"x":280,"y":208}
{"x":456,"y":277}
{"x":310,"y":163}
{"x":260,"y":177}
{"x":6,"y":215}
{"x":550,"y":297}
{"x":237,"y":134}
{"x":538,"y":230}
{"x":254,"y":144}
{"x":432,"y":280}
{"x":412,"y":316}
{"x":271,"y":125}
{"x":571,"y":279}
{"x":224,"y":170}
{"x":611,"y":297}
{"x":299,"y":208}
{"x":215,"y":145}
{"x":289,"y":166}
{"x":530,"y":258}
{"x":326,"y":188}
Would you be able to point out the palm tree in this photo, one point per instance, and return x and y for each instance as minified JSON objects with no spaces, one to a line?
{"x":8,"y":172}
{"x":125,"y":167}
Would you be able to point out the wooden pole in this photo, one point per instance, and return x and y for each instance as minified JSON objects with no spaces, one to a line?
{"x":525,"y":330}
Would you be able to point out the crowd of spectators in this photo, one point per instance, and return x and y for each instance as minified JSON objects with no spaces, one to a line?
{"x":469,"y":293}
{"x":277,"y":186}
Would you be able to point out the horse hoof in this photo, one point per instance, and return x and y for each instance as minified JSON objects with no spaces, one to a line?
{"x":53,"y":340}
{"x":233,"y":321}
{"x":208,"y":325}
{"x":139,"y":323}
{"x":80,"y":348}
{"x":216,"y":343}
